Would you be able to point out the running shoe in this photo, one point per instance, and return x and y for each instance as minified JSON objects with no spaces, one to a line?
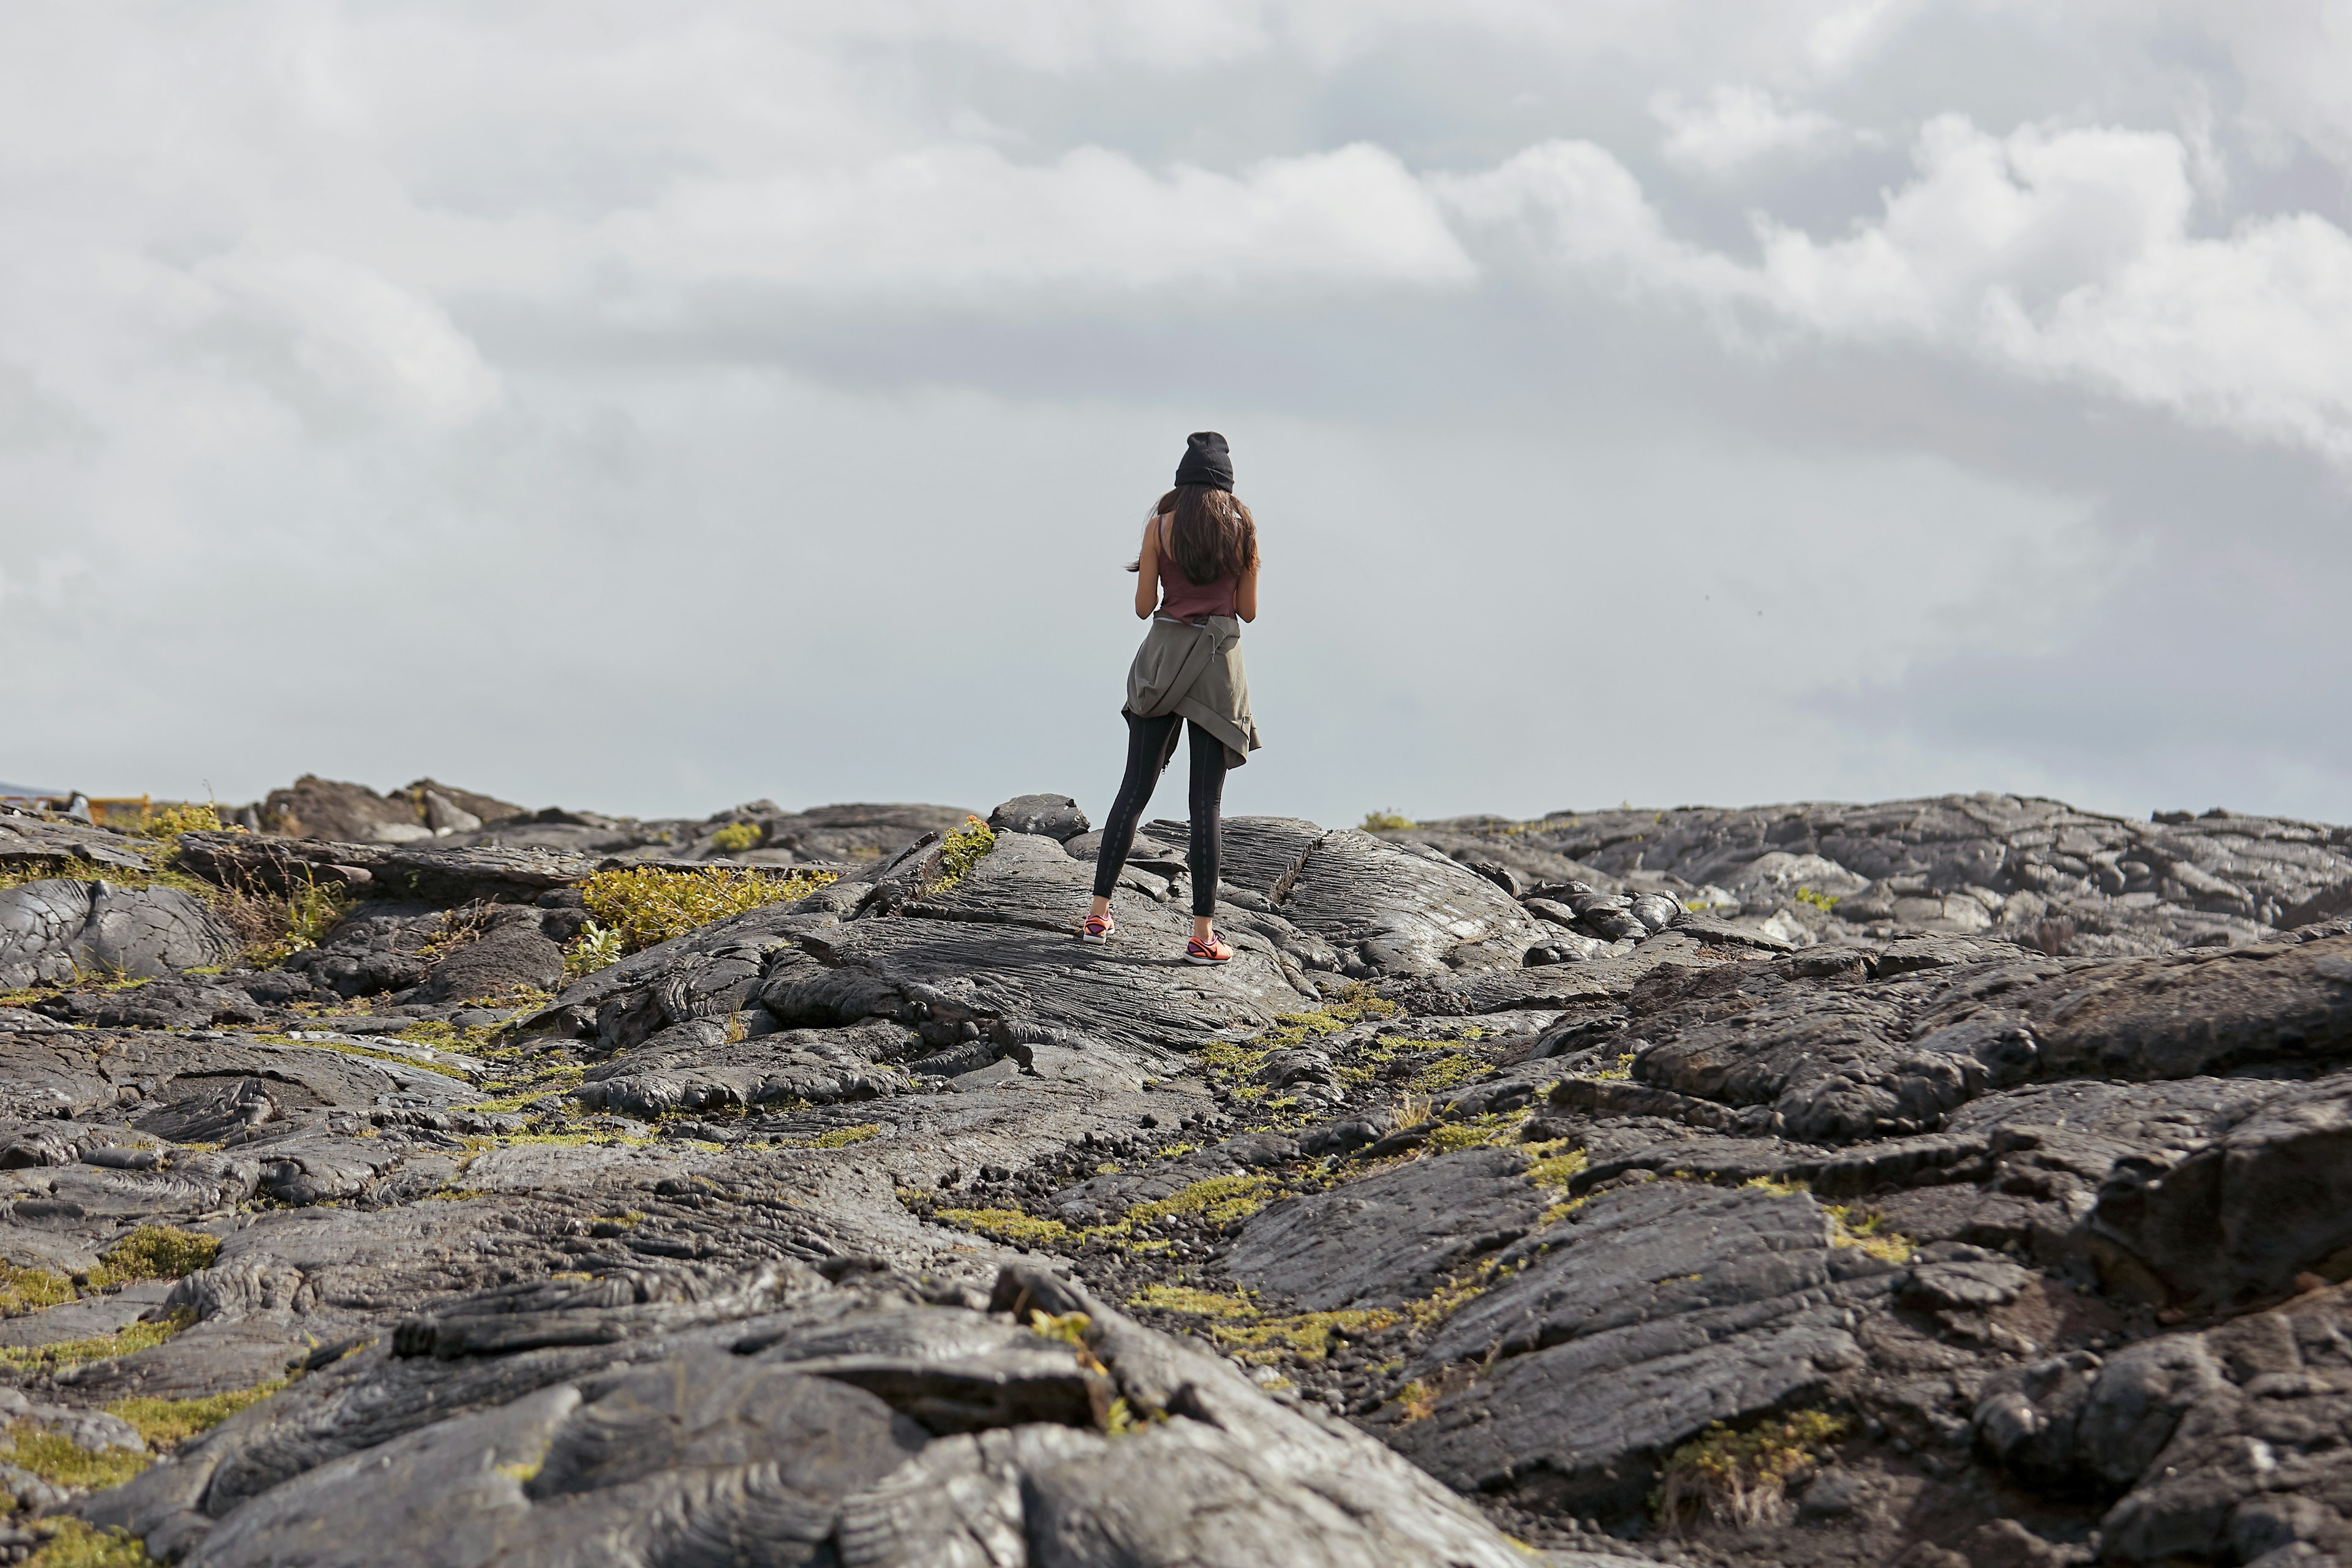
{"x":1213,"y":951}
{"x":1096,"y":929}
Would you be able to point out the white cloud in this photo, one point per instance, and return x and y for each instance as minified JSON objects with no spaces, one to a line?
{"x":953,"y":220}
{"x":2057,"y":253}
{"x":1736,"y":127}
{"x":358,"y":335}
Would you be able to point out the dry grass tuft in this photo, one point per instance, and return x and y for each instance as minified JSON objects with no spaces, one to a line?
{"x":1742,"y":1479}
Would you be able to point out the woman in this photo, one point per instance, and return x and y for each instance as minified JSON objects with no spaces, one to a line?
{"x":1197,"y":580}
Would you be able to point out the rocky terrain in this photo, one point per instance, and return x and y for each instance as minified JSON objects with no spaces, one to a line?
{"x":416,"y":1178}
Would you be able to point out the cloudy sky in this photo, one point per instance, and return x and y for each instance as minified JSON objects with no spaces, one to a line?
{"x":653,"y":407}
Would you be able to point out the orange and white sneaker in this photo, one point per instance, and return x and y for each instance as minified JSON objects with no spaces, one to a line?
{"x":1097,"y":929}
{"x":1213,"y":951}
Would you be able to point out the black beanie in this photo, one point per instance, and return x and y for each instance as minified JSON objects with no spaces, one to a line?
{"x":1206,"y":462}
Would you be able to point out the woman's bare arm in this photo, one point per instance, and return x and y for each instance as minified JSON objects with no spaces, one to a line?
{"x":1147,"y":571}
{"x":1245,"y":592}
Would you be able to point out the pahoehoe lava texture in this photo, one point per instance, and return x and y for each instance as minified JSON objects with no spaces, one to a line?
{"x":1940,"y":1182}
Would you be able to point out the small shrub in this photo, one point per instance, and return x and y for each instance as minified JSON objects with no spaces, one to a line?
{"x":736,"y":837}
{"x":168,"y":822}
{"x":596,"y":947}
{"x":1387,"y":822}
{"x":960,"y":851}
{"x":646,"y":906}
{"x":276,"y":926}
{"x":1742,"y":1478}
{"x":1818,"y":900}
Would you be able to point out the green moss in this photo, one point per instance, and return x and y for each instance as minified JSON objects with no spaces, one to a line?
{"x":961,"y":851}
{"x":60,"y":1461}
{"x":1551,"y":1169}
{"x":1866,"y":1231}
{"x":352,"y":1048}
{"x":1818,"y":900}
{"x":1194,"y":1302}
{"x":838,"y":1138}
{"x":1386,"y":822}
{"x":1217,"y":1200}
{"x":1741,"y":1478}
{"x":165,"y":1421}
{"x":1306,"y":1334}
{"x":1234,"y":1062}
{"x":1495,"y":1127}
{"x":1780,"y":1187}
{"x":1007,"y":1225}
{"x":644,"y":906}
{"x":124,"y":1340}
{"x":78,"y":1545}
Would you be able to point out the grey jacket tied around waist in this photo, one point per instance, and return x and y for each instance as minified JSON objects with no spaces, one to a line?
{"x":1195,"y":669}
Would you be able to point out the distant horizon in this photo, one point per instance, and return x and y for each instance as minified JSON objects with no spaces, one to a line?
{"x":1172,"y":789}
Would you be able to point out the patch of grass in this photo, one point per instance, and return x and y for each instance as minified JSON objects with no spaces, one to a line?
{"x":1232,"y":1062}
{"x":167,"y":822}
{"x":79,"y":1545}
{"x":167,"y":1422}
{"x":736,"y":837}
{"x":1008,"y":1224}
{"x":156,"y":1252}
{"x":1493,"y":1127}
{"x":25,"y":1290}
{"x":1194,"y":1302}
{"x":1742,"y":1478}
{"x":1218,"y":1199}
{"x":1866,"y":1231}
{"x":961,"y":851}
{"x":60,"y":1460}
{"x":124,"y":1340}
{"x":1449,"y":1071}
{"x":1553,"y":1170}
{"x":838,"y":1138}
{"x":352,"y":1048}
{"x":644,"y":906}
{"x":1616,"y":1071}
{"x":272,"y":925}
{"x":1306,"y":1334}
{"x":1780,"y":1187}
{"x":1386,"y":822}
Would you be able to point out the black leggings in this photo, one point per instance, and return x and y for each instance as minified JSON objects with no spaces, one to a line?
{"x":1150,"y":745}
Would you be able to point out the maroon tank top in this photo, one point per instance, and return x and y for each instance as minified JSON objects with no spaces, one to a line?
{"x":1185,"y":600}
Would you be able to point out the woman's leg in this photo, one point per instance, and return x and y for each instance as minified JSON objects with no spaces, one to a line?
{"x":1149,"y":744}
{"x":1208,"y":797}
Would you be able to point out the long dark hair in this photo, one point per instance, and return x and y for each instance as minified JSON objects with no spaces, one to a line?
{"x":1214,"y":536}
